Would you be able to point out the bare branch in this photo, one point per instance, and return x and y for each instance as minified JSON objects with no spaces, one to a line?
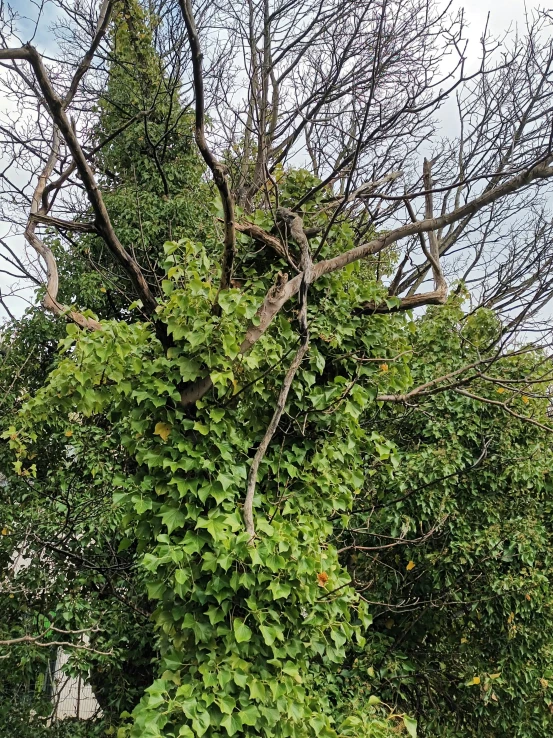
{"x":217,"y":169}
{"x":295,"y":224}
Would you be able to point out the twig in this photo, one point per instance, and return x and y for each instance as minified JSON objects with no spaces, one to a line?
{"x":505,"y":407}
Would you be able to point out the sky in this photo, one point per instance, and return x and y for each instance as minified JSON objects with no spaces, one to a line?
{"x":504,"y":14}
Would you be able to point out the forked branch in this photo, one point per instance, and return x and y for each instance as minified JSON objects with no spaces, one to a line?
{"x":102,"y":222}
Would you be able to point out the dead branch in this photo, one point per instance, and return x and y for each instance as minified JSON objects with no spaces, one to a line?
{"x":295,"y":224}
{"x":217,"y":169}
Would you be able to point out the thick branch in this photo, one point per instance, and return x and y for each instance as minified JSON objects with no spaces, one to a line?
{"x":101,"y":27}
{"x":38,"y":211}
{"x":64,"y":225}
{"x":218,"y":170}
{"x":295,"y":224}
{"x":259,"y":234}
{"x":438,"y":295}
{"x":36,"y":641}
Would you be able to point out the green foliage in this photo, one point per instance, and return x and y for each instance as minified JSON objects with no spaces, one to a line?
{"x":466,"y":636}
{"x":231,"y":616}
{"x":272,"y":637}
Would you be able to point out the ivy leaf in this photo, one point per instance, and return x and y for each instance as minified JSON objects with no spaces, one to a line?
{"x":249,"y":716}
{"x":270,"y":633}
{"x":410,"y":725}
{"x":173,"y":518}
{"x":257,"y":690}
{"x":232,"y":723}
{"x":226,"y":704}
{"x":241,"y":631}
{"x":279,"y":589}
{"x":163,"y":430}
{"x":201,"y":722}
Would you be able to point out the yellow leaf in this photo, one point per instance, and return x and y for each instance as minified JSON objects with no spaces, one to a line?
{"x":464,"y":640}
{"x":383,"y":367}
{"x":68,"y":433}
{"x":525,"y":399}
{"x":4,"y":531}
{"x":476,"y":680}
{"x":500,"y":390}
{"x":410,"y":565}
{"x":495,"y":676}
{"x":102,"y":289}
{"x":163,"y":430}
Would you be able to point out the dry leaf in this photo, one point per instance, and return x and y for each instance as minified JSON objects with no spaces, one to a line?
{"x":162,"y":430}
{"x":322,"y":578}
{"x":383,"y":367}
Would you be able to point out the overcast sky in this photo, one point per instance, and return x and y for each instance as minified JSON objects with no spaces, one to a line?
{"x":504,"y":14}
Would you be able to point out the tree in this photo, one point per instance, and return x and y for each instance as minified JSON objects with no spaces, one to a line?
{"x":449,"y":542}
{"x":244,"y":425}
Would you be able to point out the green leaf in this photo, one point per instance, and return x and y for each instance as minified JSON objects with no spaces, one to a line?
{"x":257,"y":690}
{"x":173,"y":518}
{"x":201,"y":722}
{"x":410,"y":725}
{"x":241,"y":631}
{"x":279,"y":589}
{"x":232,"y":723}
{"x":249,"y":716}
{"x":270,"y":633}
{"x":226,"y":704}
